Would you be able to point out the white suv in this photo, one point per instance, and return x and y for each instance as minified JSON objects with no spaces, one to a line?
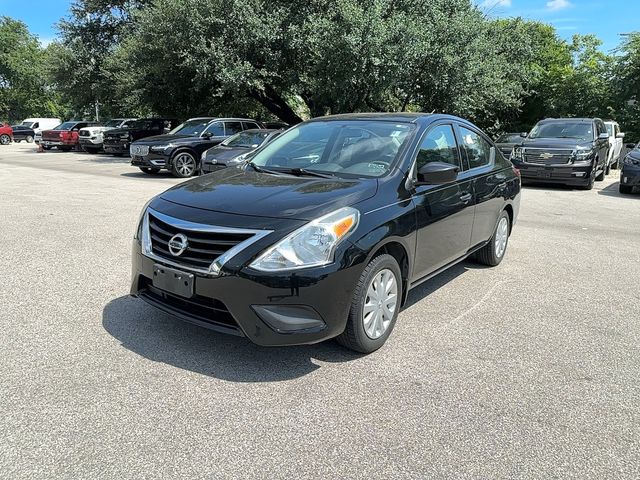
{"x":91,"y":138}
{"x":616,"y":138}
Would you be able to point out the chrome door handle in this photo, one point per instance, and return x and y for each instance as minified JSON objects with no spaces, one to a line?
{"x":465,"y":198}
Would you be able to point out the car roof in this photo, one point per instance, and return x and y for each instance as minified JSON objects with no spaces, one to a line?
{"x":386,"y":116}
{"x":261,"y":130}
{"x":223,"y":119}
{"x":573,"y":120}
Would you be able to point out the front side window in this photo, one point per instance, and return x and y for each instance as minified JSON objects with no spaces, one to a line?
{"x":577,"y":130}
{"x":215,"y":129}
{"x":478,"y":150}
{"x":249,"y":125}
{"x":342,"y":148}
{"x":231,"y":128}
{"x":438,"y":145}
{"x":193,"y":127}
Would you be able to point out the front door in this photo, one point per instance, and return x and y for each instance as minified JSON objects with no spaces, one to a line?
{"x":444,"y":213}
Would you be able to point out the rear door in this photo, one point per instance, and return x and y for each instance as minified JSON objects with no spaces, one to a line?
{"x":489,"y":181}
{"x":444,"y":213}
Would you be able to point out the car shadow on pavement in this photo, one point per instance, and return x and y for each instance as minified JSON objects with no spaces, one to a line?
{"x":98,"y":158}
{"x":139,"y":174}
{"x":159,"y":337}
{"x":612,"y":191}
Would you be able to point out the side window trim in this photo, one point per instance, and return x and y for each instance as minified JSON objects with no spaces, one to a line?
{"x":413,"y":170}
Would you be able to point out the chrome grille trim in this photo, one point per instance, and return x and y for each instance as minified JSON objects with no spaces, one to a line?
{"x":218,"y":263}
{"x":556,"y":156}
{"x":139,"y":150}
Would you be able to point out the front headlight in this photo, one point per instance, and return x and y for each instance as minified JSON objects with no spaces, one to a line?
{"x":312,"y":245}
{"x":162,"y":148}
{"x":138,"y":234}
{"x":582,"y":155}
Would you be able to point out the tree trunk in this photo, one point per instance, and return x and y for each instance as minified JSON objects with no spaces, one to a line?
{"x":272,"y":101}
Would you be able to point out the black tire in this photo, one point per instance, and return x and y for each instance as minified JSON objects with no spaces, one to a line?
{"x":149,"y":170}
{"x":46,"y":147}
{"x":489,"y":254}
{"x":179,"y":166}
{"x":5,"y":139}
{"x":590,"y":183}
{"x":65,"y":149}
{"x":608,"y":170}
{"x":29,"y":139}
{"x":616,"y":165}
{"x":625,"y":188}
{"x":355,"y":336}
{"x":90,"y":150}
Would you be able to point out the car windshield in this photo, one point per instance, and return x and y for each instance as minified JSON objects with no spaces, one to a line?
{"x":509,"y":138}
{"x":340,"y":148}
{"x":579,"y":130}
{"x":246,"y":139}
{"x":191,"y":127}
{"x":65,"y":126}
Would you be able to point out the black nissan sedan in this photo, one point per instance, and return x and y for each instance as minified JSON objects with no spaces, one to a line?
{"x":630,"y":172}
{"x":325,"y":230}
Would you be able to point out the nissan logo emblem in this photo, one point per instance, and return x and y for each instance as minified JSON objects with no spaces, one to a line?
{"x":178,"y":244}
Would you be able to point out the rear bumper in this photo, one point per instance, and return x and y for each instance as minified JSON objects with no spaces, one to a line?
{"x":566,"y":175}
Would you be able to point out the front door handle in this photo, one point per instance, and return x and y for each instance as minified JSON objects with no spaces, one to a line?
{"x":466,"y":198}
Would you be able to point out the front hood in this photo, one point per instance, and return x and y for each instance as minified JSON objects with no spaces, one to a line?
{"x":244,"y":192}
{"x":165,"y":139}
{"x":568,"y":143}
{"x":222,"y":153}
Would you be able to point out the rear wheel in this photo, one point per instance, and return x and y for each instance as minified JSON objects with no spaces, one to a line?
{"x":149,"y":170}
{"x":184,"y":165}
{"x":374,"y":307}
{"x":29,"y":139}
{"x":625,"y":189}
{"x":5,"y":139}
{"x":493,"y":252}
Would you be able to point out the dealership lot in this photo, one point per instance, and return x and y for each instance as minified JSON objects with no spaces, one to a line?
{"x":525,"y":370}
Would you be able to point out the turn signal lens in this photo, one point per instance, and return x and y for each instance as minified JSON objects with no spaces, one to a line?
{"x":343,"y":226}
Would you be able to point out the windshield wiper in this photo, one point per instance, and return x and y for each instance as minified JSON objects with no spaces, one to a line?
{"x":299,"y":172}
{"x":262,"y":170}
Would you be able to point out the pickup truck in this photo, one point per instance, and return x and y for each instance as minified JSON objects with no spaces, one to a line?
{"x":65,"y":136}
{"x":92,"y":138}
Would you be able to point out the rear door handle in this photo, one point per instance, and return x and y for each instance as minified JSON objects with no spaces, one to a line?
{"x":466,"y":198}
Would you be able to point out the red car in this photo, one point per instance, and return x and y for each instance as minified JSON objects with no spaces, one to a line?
{"x":65,"y":135}
{"x":6,"y":134}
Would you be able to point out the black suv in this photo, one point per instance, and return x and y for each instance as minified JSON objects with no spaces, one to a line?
{"x":180,"y":150}
{"x":571,"y":151}
{"x":117,"y":141}
{"x":324,"y":231}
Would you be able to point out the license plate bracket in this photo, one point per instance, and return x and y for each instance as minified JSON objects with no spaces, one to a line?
{"x":173,"y":281}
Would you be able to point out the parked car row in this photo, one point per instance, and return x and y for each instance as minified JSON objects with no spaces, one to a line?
{"x":569,"y":151}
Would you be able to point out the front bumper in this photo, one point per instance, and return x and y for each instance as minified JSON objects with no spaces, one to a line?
{"x":88,"y":142}
{"x":153,"y":160}
{"x":116,"y":147}
{"x":271,"y":310}
{"x":630,"y":176}
{"x":562,"y":174}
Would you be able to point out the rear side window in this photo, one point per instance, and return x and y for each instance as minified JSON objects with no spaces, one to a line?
{"x":438,"y":145}
{"x":478,"y":150}
{"x":249,"y":125}
{"x":231,"y":128}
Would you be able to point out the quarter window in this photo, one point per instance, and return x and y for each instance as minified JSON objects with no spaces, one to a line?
{"x":250,"y":125}
{"x":477,"y":148}
{"x":438,"y":145}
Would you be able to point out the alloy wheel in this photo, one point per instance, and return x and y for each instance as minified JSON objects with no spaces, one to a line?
{"x":380,"y":303}
{"x":185,"y":164}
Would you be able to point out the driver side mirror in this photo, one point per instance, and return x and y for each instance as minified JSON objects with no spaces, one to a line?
{"x":620,"y":135}
{"x":207,"y":135}
{"x":437,"y":173}
{"x":603,"y":136}
{"x":524,"y":134}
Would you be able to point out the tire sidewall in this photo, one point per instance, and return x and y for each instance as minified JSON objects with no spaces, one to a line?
{"x":494,"y":257}
{"x":5,"y":139}
{"x":174,"y":170}
{"x":357,"y":306}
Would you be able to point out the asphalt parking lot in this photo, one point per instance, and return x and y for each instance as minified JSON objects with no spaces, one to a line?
{"x":527,"y":370}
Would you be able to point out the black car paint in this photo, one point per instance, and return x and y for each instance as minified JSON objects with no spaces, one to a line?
{"x":565,"y":172}
{"x":427,"y":227}
{"x":118,"y":140}
{"x":194,"y":144}
{"x":630,"y":172}
{"x":20,"y":132}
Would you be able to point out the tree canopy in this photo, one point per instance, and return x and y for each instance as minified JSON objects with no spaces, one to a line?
{"x":292,"y":59}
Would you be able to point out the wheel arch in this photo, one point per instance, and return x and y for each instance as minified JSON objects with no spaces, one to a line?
{"x":399,"y":251}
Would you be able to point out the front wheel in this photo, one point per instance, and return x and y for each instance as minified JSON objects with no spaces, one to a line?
{"x":493,"y":252}
{"x":374,"y":307}
{"x":625,"y":188}
{"x":184,"y":165}
{"x":29,"y":139}
{"x":5,"y":139}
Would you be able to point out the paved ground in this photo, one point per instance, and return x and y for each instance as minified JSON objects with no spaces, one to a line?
{"x":528,"y":370}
